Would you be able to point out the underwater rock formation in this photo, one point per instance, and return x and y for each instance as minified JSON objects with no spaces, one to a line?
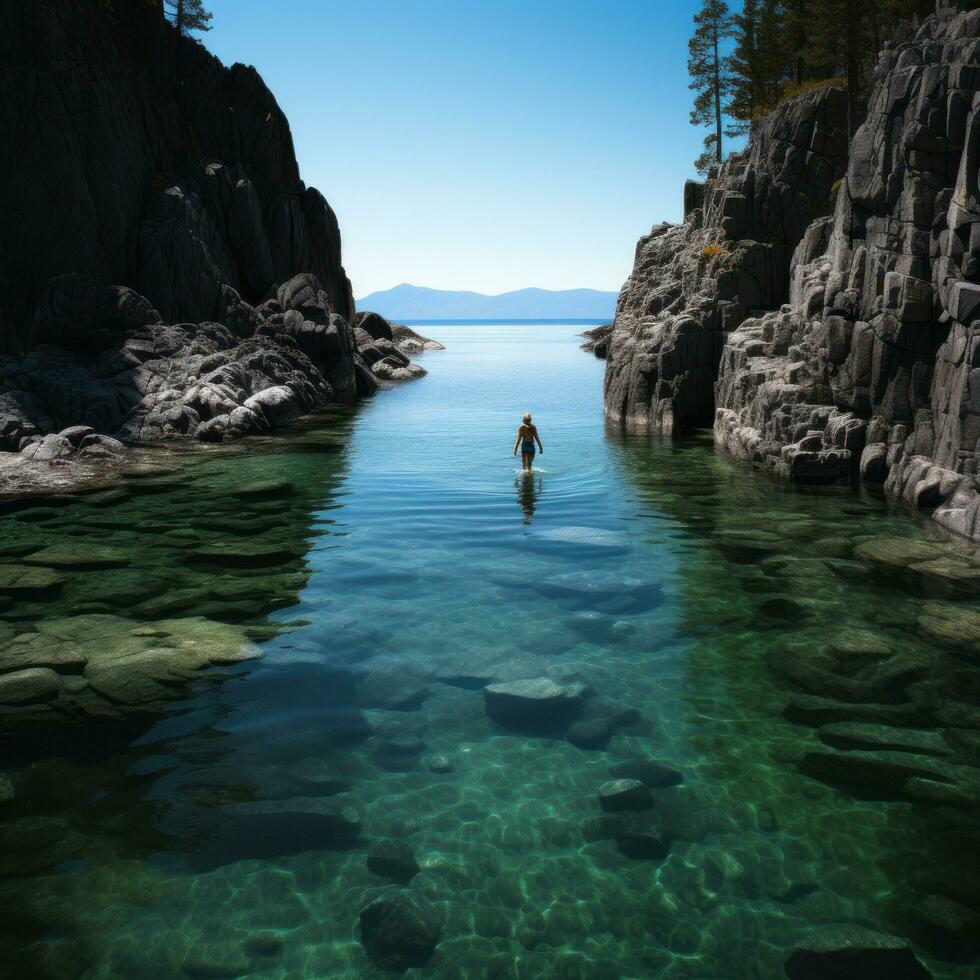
{"x":863,"y":361}
{"x":399,"y":930}
{"x":164,"y":271}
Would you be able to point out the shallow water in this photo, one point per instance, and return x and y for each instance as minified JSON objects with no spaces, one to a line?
{"x":403,"y":563}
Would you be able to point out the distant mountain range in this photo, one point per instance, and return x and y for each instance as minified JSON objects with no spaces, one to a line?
{"x":408,"y":302}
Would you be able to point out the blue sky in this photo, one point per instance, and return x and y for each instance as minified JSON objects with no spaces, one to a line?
{"x":480,"y":144}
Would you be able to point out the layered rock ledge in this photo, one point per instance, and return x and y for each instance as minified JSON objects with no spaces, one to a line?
{"x":826,"y":322}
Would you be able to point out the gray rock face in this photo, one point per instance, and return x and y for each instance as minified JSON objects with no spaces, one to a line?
{"x":692,"y":283}
{"x":871,"y":369}
{"x":164,"y":271}
{"x":825,"y":322}
{"x":172,"y":202}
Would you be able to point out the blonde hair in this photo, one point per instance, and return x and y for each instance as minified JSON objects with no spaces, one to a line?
{"x":527,"y":417}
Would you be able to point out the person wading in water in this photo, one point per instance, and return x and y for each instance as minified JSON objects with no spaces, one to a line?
{"x":527,"y":435}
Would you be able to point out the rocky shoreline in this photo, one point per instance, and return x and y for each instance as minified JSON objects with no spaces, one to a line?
{"x":817,"y":306}
{"x":70,"y":407}
{"x":177,"y":280}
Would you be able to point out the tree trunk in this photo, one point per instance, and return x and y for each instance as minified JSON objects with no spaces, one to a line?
{"x":180,"y":16}
{"x":717,"y":99}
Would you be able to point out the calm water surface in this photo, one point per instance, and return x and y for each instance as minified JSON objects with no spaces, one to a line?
{"x":691,"y":596}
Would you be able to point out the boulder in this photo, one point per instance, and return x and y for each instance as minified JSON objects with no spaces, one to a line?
{"x":621,"y":795}
{"x":849,"y":952}
{"x":399,"y":930}
{"x":536,"y":704}
{"x":29,"y":686}
{"x":278,"y":405}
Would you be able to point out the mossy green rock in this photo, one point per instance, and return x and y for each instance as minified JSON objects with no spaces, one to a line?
{"x":79,"y":556}
{"x":25,"y":582}
{"x":244,"y":554}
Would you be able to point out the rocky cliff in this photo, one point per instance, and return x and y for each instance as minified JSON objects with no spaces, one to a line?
{"x":164,"y":270}
{"x":862,"y":358}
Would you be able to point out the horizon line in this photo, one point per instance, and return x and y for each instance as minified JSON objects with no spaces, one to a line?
{"x":506,"y":292}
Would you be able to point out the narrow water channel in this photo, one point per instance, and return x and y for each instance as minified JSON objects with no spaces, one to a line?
{"x":389,"y":563}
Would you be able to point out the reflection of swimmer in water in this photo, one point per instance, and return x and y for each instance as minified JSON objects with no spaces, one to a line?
{"x":528,"y":491}
{"x":527,"y":435}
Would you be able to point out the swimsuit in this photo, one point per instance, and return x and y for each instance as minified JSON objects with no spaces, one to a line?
{"x":527,"y":446}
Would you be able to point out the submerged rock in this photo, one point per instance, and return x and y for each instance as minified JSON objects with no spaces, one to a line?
{"x":399,"y":931}
{"x":26,"y":582}
{"x":264,"y":830}
{"x":439,"y":763}
{"x":601,"y":720}
{"x":210,"y":959}
{"x":653,"y":774}
{"x":535,"y":704}
{"x":953,"y":626}
{"x":105,"y":665}
{"x":625,"y":794}
{"x":848,"y":952}
{"x":951,"y":928}
{"x":393,"y":859}
{"x":79,"y":557}
{"x":20,"y":687}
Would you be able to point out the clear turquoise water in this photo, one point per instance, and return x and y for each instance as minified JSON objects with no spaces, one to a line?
{"x":419,"y":563}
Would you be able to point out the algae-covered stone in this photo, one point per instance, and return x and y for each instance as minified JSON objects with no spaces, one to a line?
{"x":896,"y":552}
{"x":952,"y":625}
{"x":243,"y":554}
{"x":29,"y":686}
{"x":811,"y":709}
{"x":952,"y":571}
{"x":32,"y":650}
{"x":863,"y":735}
{"x":876,"y":774}
{"x":134,"y":665}
{"x":848,"y":952}
{"x":264,"y":490}
{"x":23,"y":582}
{"x":399,"y":931}
{"x":80,"y":557}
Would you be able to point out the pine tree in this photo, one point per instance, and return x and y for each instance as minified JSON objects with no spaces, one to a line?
{"x":757,"y":65}
{"x":188,"y":15}
{"x":797,"y":32}
{"x":710,"y":75}
{"x":743,"y":64}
